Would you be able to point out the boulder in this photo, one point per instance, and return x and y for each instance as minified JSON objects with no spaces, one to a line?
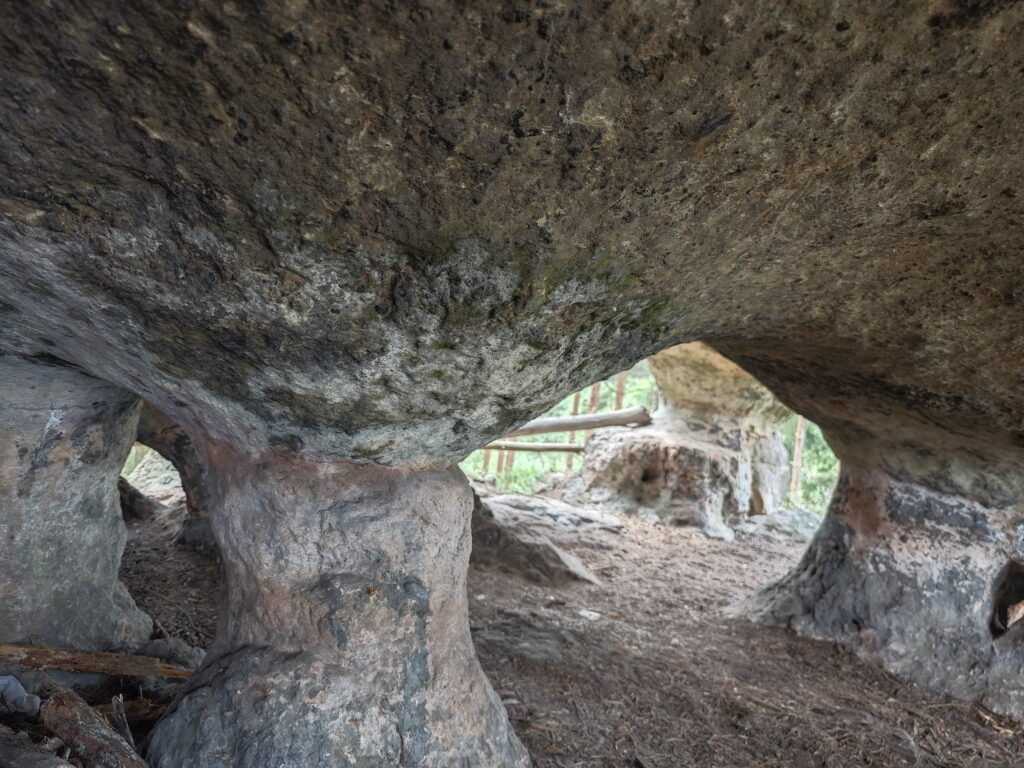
{"x":514,"y":539}
{"x":713,"y":454}
{"x":64,"y":436}
{"x":136,"y":505}
{"x":562,"y":522}
{"x":798,"y":524}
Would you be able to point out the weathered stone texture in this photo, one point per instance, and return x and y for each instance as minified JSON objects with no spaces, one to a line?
{"x":712,"y":455}
{"x":385,"y":234}
{"x":344,"y":637}
{"x":63,"y":439}
{"x":167,"y":438}
{"x":513,"y":533}
{"x":393,"y":245}
{"x":910,"y":577}
{"x":715,"y":397}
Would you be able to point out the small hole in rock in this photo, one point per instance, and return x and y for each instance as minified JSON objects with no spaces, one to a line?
{"x":1008,"y":599}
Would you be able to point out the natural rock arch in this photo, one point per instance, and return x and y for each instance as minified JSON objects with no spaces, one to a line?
{"x":343,"y":247}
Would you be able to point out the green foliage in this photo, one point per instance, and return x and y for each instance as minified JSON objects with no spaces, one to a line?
{"x":134,"y":457}
{"x":530,"y":468}
{"x":819,"y":468}
{"x":817,"y":477}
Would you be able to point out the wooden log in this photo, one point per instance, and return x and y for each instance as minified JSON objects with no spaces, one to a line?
{"x":135,"y":710}
{"x":595,"y":404}
{"x":118,"y":719}
{"x":635,"y":415}
{"x":41,"y":657}
{"x":87,"y":734}
{"x":512,"y":445}
{"x":18,"y":751}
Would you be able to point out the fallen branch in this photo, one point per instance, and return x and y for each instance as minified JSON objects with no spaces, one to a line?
{"x":40,"y":657}
{"x":135,"y":710}
{"x":635,"y":415}
{"x":513,"y":445}
{"x":87,"y":734}
{"x":119,"y":720}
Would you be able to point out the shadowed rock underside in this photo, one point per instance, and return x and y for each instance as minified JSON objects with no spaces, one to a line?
{"x":338,"y":238}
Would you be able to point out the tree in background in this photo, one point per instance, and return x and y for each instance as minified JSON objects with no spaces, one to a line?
{"x":819,"y":466}
{"x":818,"y":471}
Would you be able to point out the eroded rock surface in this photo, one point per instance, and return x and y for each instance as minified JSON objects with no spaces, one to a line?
{"x":394,"y":246}
{"x":307,"y":614}
{"x":712,"y":455}
{"x":363,"y":237}
{"x":517,"y":537}
{"x":159,"y":432}
{"x":63,"y":438}
{"x":920,"y":560}
{"x":717,"y":401}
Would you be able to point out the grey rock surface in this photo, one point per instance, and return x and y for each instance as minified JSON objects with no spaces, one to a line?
{"x":18,"y":751}
{"x":275,"y":244}
{"x":63,"y":438}
{"x":382,"y":236}
{"x":562,"y":522}
{"x":920,"y":560}
{"x":14,"y":699}
{"x":333,"y":653}
{"x":799,"y":524}
{"x":173,"y":651}
{"x":516,"y":541}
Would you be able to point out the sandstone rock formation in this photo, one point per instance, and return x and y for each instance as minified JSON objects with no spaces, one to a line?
{"x":63,"y":438}
{"x":344,"y":245}
{"x":159,"y":432}
{"x":515,"y":533}
{"x":721,"y":403}
{"x":714,"y":453}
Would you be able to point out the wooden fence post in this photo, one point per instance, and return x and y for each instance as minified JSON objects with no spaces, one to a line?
{"x":572,"y":432}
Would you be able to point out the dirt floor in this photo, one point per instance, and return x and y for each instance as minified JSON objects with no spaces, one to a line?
{"x":652,"y":674}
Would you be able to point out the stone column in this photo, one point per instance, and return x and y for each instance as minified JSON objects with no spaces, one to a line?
{"x":344,"y":636}
{"x":63,"y":439}
{"x":917,"y":579}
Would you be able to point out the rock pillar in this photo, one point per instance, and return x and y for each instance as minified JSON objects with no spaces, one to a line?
{"x":344,"y":636}
{"x":63,"y":438}
{"x":713,"y":453}
{"x":915,"y":578}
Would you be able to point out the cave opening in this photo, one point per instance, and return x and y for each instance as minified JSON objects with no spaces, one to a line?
{"x":1007,"y":599}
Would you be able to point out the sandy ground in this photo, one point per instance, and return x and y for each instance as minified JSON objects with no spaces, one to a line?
{"x":653,"y":674}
